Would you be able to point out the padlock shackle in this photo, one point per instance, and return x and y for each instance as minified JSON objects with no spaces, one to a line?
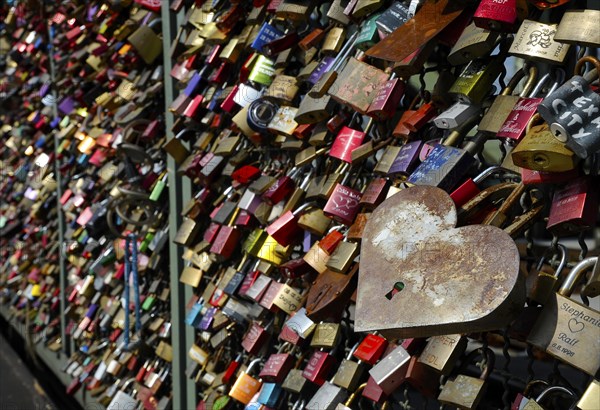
{"x":252,"y":364}
{"x":554,"y":389}
{"x":349,"y":357}
{"x":355,"y":395}
{"x":516,"y":79}
{"x":344,"y":52}
{"x":303,"y":207}
{"x":568,"y":286}
{"x":590,"y":75}
{"x":562,"y":250}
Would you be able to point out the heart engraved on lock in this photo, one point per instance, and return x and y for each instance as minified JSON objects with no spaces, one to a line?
{"x":462,"y":279}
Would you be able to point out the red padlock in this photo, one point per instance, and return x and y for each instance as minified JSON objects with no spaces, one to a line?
{"x":318,"y":367}
{"x":285,"y":229}
{"x":276,"y":368}
{"x":371,"y":348}
{"x":574,"y":207}
{"x":255,"y":338}
{"x":343,"y":204}
{"x":387,"y":98}
{"x":500,"y":16}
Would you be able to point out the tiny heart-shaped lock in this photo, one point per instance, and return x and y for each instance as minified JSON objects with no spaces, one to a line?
{"x":421,"y":276}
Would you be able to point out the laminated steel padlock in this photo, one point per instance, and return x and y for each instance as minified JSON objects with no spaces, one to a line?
{"x":567,"y":329}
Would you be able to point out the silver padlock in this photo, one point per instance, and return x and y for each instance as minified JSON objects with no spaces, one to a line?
{"x":122,"y":400}
{"x":459,"y":113}
{"x":389,"y":372}
{"x":327,"y":397}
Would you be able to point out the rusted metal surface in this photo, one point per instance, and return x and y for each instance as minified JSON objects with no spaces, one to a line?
{"x":329,"y":294}
{"x":432,"y":18}
{"x":455,"y":280}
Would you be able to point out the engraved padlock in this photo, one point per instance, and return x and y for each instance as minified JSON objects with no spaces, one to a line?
{"x":567,"y":329}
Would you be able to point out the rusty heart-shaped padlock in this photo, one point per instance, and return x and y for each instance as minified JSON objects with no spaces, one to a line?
{"x":461,"y":279}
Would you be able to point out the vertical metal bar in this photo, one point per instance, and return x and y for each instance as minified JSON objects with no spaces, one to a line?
{"x":66,"y":348}
{"x":182,"y":336}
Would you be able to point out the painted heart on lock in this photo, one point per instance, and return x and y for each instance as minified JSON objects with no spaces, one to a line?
{"x":421,"y":276}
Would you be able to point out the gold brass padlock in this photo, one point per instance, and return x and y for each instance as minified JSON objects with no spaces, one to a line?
{"x":535,"y":41}
{"x":147,"y":43}
{"x":539,"y":150}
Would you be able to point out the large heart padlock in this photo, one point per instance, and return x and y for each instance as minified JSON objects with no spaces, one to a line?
{"x":421,"y":276}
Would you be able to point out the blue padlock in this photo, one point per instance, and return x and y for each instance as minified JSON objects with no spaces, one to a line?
{"x":269,"y":394}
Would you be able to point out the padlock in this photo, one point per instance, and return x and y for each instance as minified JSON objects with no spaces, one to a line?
{"x":469,"y":188}
{"x":319,"y":366}
{"x":330,"y":291}
{"x":523,"y":112}
{"x":314,"y":221}
{"x":395,"y":16}
{"x":147,"y":43}
{"x":334,"y":41}
{"x":285,"y":229}
{"x":567,"y":329}
{"x":573,"y":207}
{"x":539,"y":150}
{"x":535,"y":41}
{"x":474,"y":82}
{"x":357,"y":84}
{"x":474,"y":42}
{"x":269,"y":395}
{"x":500,"y":16}
{"x":277,"y":366}
{"x":376,"y":191}
{"x":386,"y":99}
{"x":422,"y":378}
{"x":246,"y":386}
{"x":535,"y":404}
{"x":327,"y":397}
{"x":457,"y":114}
{"x":546,"y":282}
{"x":326,"y":335}
{"x":579,"y":27}
{"x":353,"y":397}
{"x":591,"y":397}
{"x":255,"y":338}
{"x":505,"y":101}
{"x":343,"y":202}
{"x":442,"y":352}
{"x":465,"y":392}
{"x":371,"y":348}
{"x":349,"y":373}
{"x":389,"y":373}
{"x":572,"y":112}
{"x":122,"y":399}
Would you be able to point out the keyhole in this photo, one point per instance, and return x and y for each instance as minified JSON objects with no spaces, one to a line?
{"x":538,"y":159}
{"x":398,"y":287}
